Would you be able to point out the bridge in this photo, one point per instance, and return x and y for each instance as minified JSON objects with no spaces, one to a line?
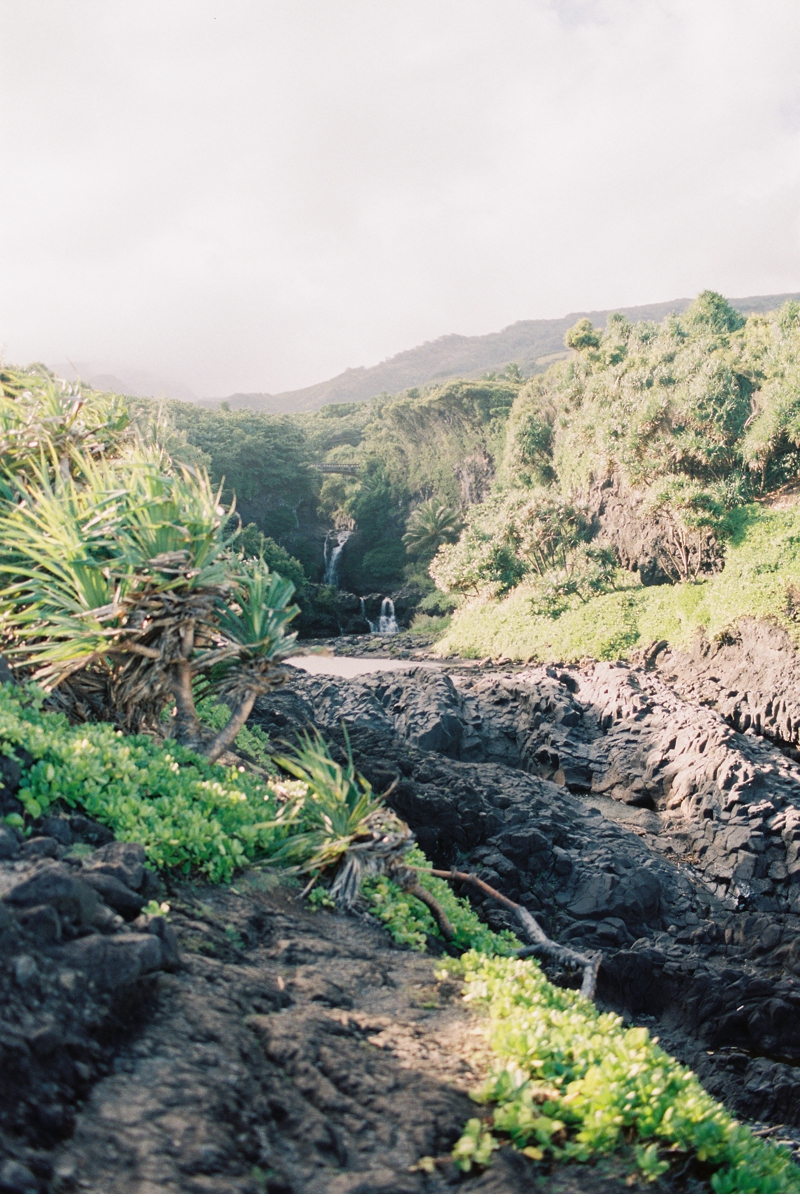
{"x":333,"y":467}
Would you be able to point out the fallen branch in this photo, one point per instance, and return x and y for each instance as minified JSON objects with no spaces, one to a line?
{"x":540,"y":944}
{"x":445,"y":926}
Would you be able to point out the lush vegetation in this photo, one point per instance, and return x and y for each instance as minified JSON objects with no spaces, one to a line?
{"x":572,"y":1083}
{"x":760,"y":579}
{"x":690,"y":425}
{"x":120,"y":588}
{"x":497,"y":485}
{"x":188,"y":813}
{"x":130,"y":592}
{"x":402,"y":457}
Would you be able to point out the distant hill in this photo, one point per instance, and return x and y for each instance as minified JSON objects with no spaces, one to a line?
{"x":532,"y":344}
{"x":135,"y":383}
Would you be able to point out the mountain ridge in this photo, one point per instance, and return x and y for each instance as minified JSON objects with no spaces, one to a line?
{"x":526,"y":342}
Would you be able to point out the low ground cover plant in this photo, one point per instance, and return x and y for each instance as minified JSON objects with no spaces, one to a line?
{"x":573,"y":1083}
{"x":188,"y":813}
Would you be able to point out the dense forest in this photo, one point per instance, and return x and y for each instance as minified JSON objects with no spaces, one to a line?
{"x":618,"y":468}
{"x":364,"y":468}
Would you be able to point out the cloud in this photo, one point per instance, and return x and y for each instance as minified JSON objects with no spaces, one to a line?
{"x":255,"y":195}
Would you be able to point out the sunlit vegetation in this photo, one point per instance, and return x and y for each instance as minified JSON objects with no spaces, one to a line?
{"x":691,"y":423}
{"x":572,"y":1083}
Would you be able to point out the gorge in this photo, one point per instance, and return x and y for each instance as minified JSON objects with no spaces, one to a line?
{"x":628,"y":814}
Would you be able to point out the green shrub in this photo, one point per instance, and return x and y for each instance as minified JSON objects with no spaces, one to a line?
{"x":514,"y":535}
{"x":252,"y":739}
{"x":254,"y":543}
{"x":429,"y":625}
{"x":188,"y":813}
{"x":438,"y":603}
{"x":409,"y":921}
{"x":573,"y":1083}
{"x":383,"y":564}
{"x":760,"y":580}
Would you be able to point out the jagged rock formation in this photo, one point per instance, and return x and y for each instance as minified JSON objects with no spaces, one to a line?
{"x":651,"y":543}
{"x":292,"y":1051}
{"x":626,"y":818}
{"x":77,"y":962}
{"x":729,"y":804}
{"x":752,"y":678}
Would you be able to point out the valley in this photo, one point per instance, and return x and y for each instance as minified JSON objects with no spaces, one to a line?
{"x":266,"y":864}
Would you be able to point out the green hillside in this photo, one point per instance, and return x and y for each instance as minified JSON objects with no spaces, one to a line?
{"x":662,"y":440}
{"x":530,"y":343}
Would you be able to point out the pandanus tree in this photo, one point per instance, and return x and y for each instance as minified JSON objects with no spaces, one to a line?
{"x":121,"y":593}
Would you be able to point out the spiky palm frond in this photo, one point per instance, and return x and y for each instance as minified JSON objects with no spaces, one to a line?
{"x":174,"y":527}
{"x":44,"y":418}
{"x":258,"y":619}
{"x":336,"y":811}
{"x":58,"y":591}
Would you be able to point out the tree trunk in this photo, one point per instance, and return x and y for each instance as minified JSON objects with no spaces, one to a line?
{"x":187,"y":725}
{"x":223,"y":739}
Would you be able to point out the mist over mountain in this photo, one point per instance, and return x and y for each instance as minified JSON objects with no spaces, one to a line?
{"x":532,"y":344}
{"x":124,"y":381}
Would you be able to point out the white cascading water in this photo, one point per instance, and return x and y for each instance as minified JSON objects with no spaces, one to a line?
{"x":331,"y":576}
{"x":386,"y":624}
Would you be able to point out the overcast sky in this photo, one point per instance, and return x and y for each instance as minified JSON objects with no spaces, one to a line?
{"x":255,"y":194}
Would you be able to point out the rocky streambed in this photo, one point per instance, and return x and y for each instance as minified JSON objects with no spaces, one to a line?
{"x":628,"y":818}
{"x":650,"y":810}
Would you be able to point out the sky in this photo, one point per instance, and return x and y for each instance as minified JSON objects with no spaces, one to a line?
{"x":253,"y":195}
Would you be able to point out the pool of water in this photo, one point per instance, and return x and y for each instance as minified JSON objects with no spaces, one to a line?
{"x":353,"y":666}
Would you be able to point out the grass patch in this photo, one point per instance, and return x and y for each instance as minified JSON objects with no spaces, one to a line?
{"x":574,"y":1084}
{"x":430,"y":625}
{"x":761,"y":580}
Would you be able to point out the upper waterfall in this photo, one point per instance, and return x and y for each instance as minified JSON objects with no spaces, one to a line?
{"x":331,"y":556}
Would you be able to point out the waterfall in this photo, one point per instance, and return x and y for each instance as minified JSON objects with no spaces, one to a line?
{"x":331,"y":576}
{"x":386,"y":624}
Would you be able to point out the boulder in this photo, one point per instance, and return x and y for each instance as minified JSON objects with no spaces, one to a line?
{"x":115,"y":893}
{"x":42,"y":924}
{"x":58,"y":827}
{"x":636,"y":895}
{"x":16,"y":1178}
{"x":89,"y":830}
{"x":123,"y":861}
{"x":39,"y":846}
{"x":55,"y":886}
{"x":156,"y":924}
{"x":9,"y":844}
{"x":113,"y":961}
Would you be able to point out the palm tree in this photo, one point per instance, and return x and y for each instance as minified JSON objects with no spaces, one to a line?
{"x":429,"y":525}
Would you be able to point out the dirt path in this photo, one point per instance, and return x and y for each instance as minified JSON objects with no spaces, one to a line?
{"x":293,"y":1052}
